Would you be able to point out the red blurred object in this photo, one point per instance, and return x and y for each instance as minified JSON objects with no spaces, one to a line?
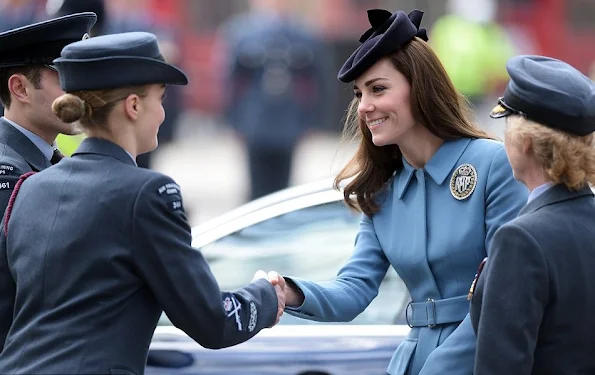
{"x":203,"y":92}
{"x":563,"y":29}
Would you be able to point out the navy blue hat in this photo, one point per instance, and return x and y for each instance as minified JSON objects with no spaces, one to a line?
{"x":116,"y":60}
{"x":549,"y":92}
{"x":40,"y":43}
{"x":64,"y":7}
{"x":388,"y":33}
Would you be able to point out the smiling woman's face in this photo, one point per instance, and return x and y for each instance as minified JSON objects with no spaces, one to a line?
{"x":383,"y":94}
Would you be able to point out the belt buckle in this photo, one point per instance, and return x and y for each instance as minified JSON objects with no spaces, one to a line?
{"x":431,"y":325}
{"x":407,"y":314}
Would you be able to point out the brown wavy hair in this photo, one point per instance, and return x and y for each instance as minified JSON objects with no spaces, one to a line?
{"x":566,"y":159}
{"x":435,"y":104}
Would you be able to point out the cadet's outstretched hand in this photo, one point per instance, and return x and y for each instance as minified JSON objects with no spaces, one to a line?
{"x":279,"y":283}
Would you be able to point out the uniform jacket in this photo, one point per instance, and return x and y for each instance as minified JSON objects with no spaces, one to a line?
{"x":435,"y":242}
{"x":534,"y":305}
{"x":97,"y":248}
{"x":18,"y":155}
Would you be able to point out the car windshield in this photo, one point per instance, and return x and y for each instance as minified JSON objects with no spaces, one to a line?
{"x":310,"y":243}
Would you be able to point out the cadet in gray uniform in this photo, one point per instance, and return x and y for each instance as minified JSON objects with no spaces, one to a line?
{"x":107,"y":246}
{"x":534,"y":305}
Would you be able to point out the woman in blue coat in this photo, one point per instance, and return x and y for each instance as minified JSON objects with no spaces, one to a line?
{"x":432,"y":187}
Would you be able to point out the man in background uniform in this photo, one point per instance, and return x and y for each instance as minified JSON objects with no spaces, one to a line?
{"x":28,"y":86}
{"x":275,"y":83}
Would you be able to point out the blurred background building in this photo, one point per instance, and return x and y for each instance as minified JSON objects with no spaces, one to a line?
{"x":204,"y":154}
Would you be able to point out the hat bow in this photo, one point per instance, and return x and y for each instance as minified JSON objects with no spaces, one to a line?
{"x":381,"y":20}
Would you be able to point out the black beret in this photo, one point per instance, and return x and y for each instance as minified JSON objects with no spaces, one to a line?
{"x":549,"y":92}
{"x":116,"y":60}
{"x":41,"y":43}
{"x":388,"y":33}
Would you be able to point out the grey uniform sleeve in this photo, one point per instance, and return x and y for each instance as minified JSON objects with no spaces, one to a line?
{"x":9,"y":175}
{"x":514,"y":298}
{"x":181,"y":279}
{"x":7,"y":291}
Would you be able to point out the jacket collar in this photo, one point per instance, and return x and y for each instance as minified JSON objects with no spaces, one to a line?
{"x":19,"y":142}
{"x":438,"y":167}
{"x":100,"y":146}
{"x":555,"y":194}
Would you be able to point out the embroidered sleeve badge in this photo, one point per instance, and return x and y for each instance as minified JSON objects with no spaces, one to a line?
{"x":253,"y":317}
{"x":232,"y":308}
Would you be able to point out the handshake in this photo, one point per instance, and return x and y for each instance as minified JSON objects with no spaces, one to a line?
{"x":280,"y":287}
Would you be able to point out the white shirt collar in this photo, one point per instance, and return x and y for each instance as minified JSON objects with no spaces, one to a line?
{"x":46,"y":149}
{"x":131,"y":157}
{"x":539,"y":190}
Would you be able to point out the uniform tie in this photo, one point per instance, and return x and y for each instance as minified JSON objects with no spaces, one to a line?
{"x":56,"y":156}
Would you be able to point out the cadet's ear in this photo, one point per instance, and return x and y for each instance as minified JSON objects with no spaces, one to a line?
{"x":131,"y":106}
{"x":19,"y":88}
{"x":527,"y":146}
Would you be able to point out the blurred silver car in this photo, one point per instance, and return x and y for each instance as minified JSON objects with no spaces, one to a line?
{"x":304,"y":231}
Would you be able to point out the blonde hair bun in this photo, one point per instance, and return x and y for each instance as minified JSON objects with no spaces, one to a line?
{"x":69,"y":108}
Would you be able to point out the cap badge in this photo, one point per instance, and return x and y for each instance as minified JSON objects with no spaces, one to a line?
{"x":498,"y":109}
{"x":463,"y":181}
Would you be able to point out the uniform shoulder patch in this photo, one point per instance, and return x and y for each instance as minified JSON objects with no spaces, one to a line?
{"x":9,"y":175}
{"x":169,"y":189}
{"x":8,"y":182}
{"x":171,"y":192}
{"x":7,"y":169}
